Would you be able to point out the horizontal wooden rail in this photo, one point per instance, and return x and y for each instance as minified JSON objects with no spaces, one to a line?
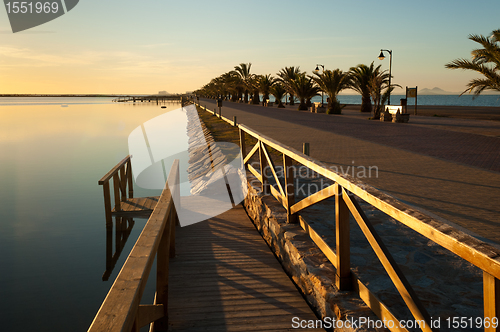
{"x":344,"y":189}
{"x":120,"y":310}
{"x":469,"y":248}
{"x":114,"y":170}
{"x":122,"y":177}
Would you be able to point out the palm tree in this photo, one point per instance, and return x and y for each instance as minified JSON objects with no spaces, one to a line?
{"x":360,"y":77}
{"x":255,"y":88}
{"x":265,"y":84}
{"x":332,"y":82}
{"x":278,"y":91}
{"x":243,"y":71}
{"x":303,"y":86}
{"x":485,"y":61}
{"x":231,"y":82}
{"x":286,"y":76}
{"x":379,"y":90}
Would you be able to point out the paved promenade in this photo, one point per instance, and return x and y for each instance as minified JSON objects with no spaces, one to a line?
{"x":448,"y":167}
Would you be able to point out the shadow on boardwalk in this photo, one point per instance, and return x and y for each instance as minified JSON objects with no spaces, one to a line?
{"x":225,"y":278}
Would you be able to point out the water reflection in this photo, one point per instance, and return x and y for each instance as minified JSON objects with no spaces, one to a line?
{"x":52,"y":212}
{"x":123,"y":226}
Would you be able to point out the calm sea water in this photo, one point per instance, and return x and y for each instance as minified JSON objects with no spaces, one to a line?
{"x":52,"y":227}
{"x":445,"y":100}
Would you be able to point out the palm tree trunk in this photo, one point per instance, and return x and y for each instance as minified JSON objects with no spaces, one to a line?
{"x":366,"y":104}
{"x":291,"y":100}
{"x":265,"y":97}
{"x":256,"y":97}
{"x":302,"y":106}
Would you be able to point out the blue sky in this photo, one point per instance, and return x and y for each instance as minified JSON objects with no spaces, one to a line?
{"x":145,"y":46}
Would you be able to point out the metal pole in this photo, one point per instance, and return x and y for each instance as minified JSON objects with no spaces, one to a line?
{"x":416,"y":94}
{"x":390,"y":75}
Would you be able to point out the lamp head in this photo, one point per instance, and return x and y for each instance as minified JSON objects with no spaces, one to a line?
{"x":381,"y":56}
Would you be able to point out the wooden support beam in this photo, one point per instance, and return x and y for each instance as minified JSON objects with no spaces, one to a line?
{"x":242,"y":144}
{"x":254,"y":172}
{"x":113,"y":171}
{"x":116,"y":187}
{"x":107,"y":203}
{"x":162,"y":270}
{"x":376,"y":305}
{"x":314,"y":198}
{"x":398,"y":278}
{"x":270,"y":163}
{"x":251,"y":153}
{"x":342,"y":235}
{"x":123,"y":184}
{"x":129,"y":179}
{"x":291,"y":217}
{"x":278,"y":196}
{"x":322,"y":245}
{"x":491,"y":297}
{"x":148,"y":313}
{"x":263,"y":166}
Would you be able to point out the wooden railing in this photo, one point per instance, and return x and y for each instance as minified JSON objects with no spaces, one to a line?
{"x":122,"y":177}
{"x":121,"y":310}
{"x":345,"y":189}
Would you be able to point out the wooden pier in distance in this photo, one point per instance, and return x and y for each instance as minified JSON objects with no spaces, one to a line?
{"x":150,"y":98}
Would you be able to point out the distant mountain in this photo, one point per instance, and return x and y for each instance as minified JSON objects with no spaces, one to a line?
{"x":439,"y":91}
{"x":435,"y":91}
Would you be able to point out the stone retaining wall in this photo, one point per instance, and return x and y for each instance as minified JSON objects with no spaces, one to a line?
{"x":303,"y":260}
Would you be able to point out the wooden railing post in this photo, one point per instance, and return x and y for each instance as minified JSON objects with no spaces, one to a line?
{"x":116,"y":187}
{"x":263,"y":166}
{"x":491,"y":289}
{"x":289,"y":188}
{"x":343,"y":275}
{"x":123,"y":184}
{"x":129,"y":179}
{"x":305,"y":149}
{"x":162,"y":267}
{"x":107,"y":203}
{"x":242,"y":144}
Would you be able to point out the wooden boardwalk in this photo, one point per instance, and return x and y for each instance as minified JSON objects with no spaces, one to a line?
{"x":136,"y":207}
{"x":225,"y":278}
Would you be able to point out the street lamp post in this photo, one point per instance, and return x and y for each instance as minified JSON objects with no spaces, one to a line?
{"x":382,"y":57}
{"x":317,"y":70}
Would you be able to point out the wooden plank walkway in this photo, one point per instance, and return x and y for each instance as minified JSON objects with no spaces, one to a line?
{"x":225,"y":278}
{"x":136,"y":207}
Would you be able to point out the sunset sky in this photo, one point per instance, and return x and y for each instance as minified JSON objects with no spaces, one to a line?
{"x":146,"y":46}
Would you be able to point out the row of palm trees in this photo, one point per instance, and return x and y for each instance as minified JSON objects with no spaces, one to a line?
{"x":369,"y":81}
{"x":240,"y":84}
